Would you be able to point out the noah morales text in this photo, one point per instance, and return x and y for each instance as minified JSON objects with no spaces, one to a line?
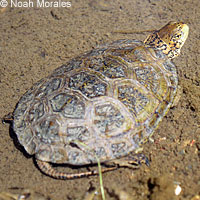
{"x":40,"y":4}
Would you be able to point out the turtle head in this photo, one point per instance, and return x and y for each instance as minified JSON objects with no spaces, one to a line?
{"x":169,"y":38}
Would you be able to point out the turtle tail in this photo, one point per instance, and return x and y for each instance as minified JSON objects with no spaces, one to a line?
{"x":47,"y":169}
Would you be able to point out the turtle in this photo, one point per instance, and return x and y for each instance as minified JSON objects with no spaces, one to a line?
{"x":102,"y":105}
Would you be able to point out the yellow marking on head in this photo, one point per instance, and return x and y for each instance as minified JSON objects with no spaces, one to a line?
{"x":169,"y":38}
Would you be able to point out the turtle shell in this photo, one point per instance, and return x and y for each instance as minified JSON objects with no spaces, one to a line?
{"x":105,"y":104}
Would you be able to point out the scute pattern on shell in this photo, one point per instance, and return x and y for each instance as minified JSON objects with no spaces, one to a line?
{"x":106,"y":102}
{"x":68,"y":105}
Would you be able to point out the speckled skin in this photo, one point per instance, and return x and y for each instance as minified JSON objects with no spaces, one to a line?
{"x":105,"y":103}
{"x":169,"y":39}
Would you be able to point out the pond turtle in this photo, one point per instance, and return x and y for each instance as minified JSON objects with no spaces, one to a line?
{"x":101,"y":105}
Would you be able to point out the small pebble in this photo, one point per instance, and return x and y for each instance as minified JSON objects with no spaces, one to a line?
{"x":178,"y":190}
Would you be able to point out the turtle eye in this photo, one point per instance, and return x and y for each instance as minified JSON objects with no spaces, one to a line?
{"x":176,"y":36}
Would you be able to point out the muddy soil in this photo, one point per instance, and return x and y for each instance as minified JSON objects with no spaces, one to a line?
{"x":34,"y":41}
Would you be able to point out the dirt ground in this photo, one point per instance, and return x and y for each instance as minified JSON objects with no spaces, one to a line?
{"x":35,"y":41}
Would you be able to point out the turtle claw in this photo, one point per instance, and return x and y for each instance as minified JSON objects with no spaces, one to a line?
{"x":138,"y":159}
{"x":7,"y":118}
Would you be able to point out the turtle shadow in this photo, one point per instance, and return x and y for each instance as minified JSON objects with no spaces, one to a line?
{"x":16,"y":141}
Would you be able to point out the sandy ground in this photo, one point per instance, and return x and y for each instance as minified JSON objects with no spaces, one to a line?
{"x":34,"y":41}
